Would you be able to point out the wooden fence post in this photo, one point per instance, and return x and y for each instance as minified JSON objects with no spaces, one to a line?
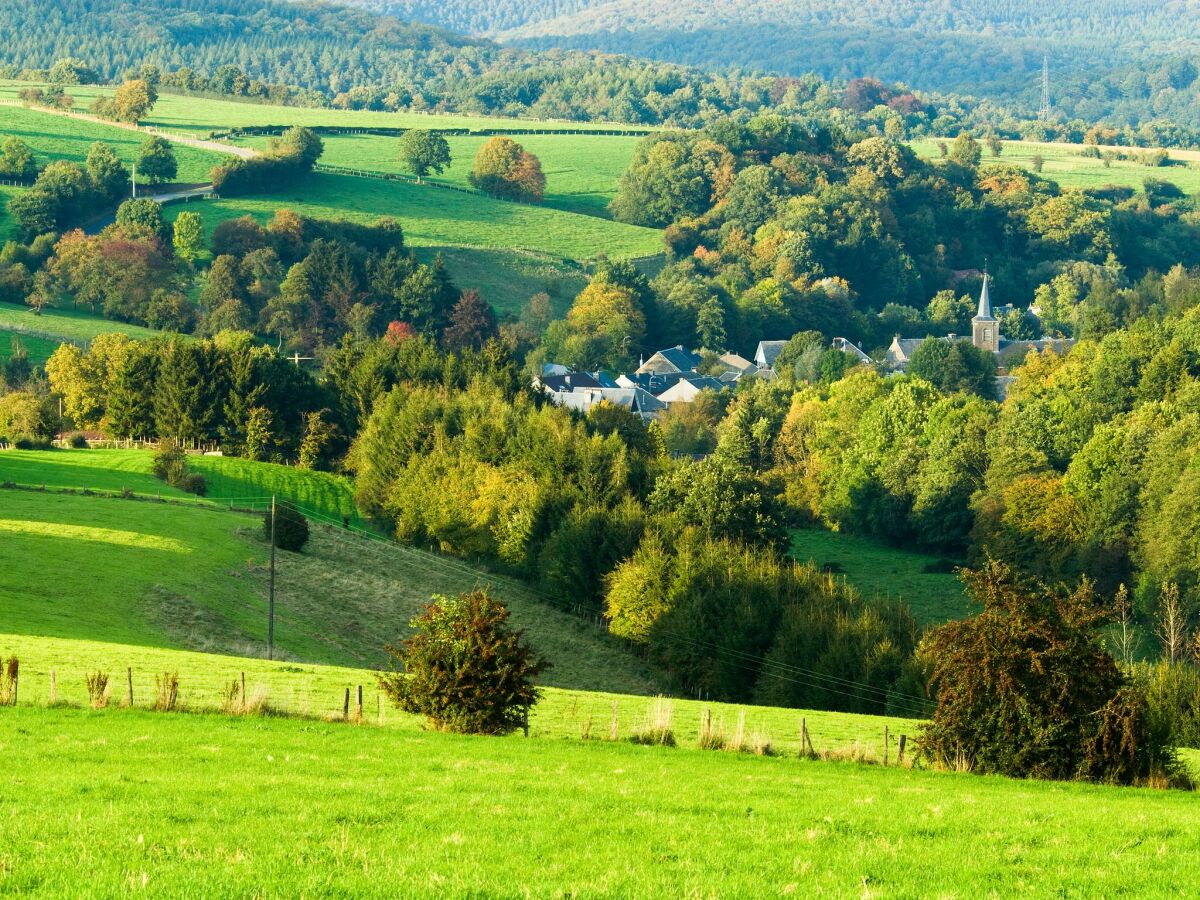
{"x":885,"y":745}
{"x":243,"y":691}
{"x":903,"y":741}
{"x":129,"y":682}
{"x":346,"y":705}
{"x":358,"y":706}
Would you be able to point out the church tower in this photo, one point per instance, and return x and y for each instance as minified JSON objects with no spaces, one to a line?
{"x":985,"y":328}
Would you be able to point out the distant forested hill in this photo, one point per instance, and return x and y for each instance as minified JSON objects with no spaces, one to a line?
{"x":1126,"y":60}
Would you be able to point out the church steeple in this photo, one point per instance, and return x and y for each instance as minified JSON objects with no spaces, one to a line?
{"x":985,"y":301}
{"x":985,"y":327}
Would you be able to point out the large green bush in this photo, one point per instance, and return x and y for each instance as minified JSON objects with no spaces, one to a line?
{"x":1026,"y":689}
{"x":465,"y":668}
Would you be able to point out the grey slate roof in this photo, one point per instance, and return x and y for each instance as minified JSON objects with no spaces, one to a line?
{"x":673,"y":359}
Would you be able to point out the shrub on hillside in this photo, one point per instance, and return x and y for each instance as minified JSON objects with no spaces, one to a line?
{"x":170,"y":465}
{"x":170,"y":462}
{"x":465,"y":669}
{"x":1026,"y":689}
{"x":291,"y":528}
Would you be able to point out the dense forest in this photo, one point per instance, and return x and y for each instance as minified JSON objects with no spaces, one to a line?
{"x":317,"y":54}
{"x":1123,"y":60}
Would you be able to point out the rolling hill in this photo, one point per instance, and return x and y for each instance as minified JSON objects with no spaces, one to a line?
{"x":191,"y":574}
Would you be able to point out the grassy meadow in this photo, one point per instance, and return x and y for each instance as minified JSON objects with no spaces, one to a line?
{"x":581,"y":172}
{"x":1064,"y":164}
{"x":54,"y":138}
{"x":39,"y":349}
{"x":69,"y":325}
{"x":432,"y":216}
{"x":874,"y":568}
{"x":107,"y":569}
{"x":204,"y":114}
{"x":152,"y":801}
{"x":508,"y":278}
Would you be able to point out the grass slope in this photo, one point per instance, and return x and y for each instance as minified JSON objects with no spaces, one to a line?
{"x":1062,"y":163}
{"x":38,"y":348}
{"x":204,"y":114}
{"x":873,"y":568}
{"x":193,"y":576}
{"x":71,"y":326}
{"x":229,"y":478}
{"x":581,"y":171}
{"x":54,"y":138}
{"x":227,"y":806}
{"x":508,"y":278}
{"x":432,"y":216}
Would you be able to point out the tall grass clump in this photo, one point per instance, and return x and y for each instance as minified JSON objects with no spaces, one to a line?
{"x":9,"y":676}
{"x":97,"y":689}
{"x":167,"y":691}
{"x":710,"y":736}
{"x":656,"y":730}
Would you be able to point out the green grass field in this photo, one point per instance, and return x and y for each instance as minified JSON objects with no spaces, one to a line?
{"x":432,"y":216}
{"x":874,"y":568}
{"x":54,"y":137}
{"x":581,"y":172}
{"x":72,"y":326}
{"x":38,"y":348}
{"x":508,"y":278}
{"x":106,"y":803}
{"x":205,"y":114}
{"x":1064,"y":165}
{"x":106,"y":570}
{"x":230,"y":479}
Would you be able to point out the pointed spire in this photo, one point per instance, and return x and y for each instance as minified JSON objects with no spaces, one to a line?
{"x":985,"y":299}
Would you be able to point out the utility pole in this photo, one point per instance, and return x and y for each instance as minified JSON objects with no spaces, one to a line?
{"x":271,"y":595}
{"x":1044,"y":112}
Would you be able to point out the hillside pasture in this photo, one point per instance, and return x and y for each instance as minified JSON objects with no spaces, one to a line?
{"x":182,"y":112}
{"x":923,"y":582}
{"x":508,"y":278}
{"x":37,"y":348}
{"x":225,"y":805}
{"x":433,"y":216}
{"x":105,"y":569}
{"x":581,"y":172}
{"x":74,"y":326}
{"x":53,"y":138}
{"x":1065,"y":164}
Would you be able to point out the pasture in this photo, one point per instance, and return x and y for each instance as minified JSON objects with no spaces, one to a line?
{"x":54,"y":138}
{"x":432,"y":216}
{"x":153,"y":801}
{"x":181,"y":112}
{"x":581,"y":172}
{"x":66,"y":325}
{"x":188,"y":574}
{"x":876,"y":569}
{"x":37,"y":348}
{"x":1064,"y":164}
